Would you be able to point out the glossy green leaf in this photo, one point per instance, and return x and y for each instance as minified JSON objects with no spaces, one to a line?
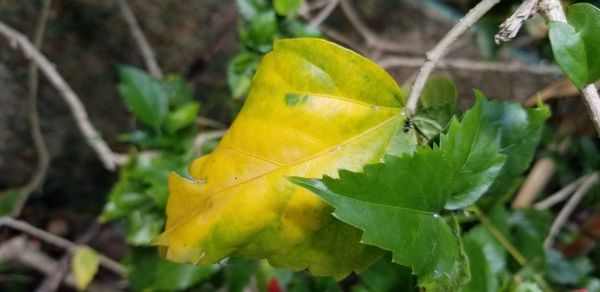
{"x":148,"y":272}
{"x":144,"y":96}
{"x":182,"y":117}
{"x":520,"y":132}
{"x":84,"y":264}
{"x":569,"y":52}
{"x":396,"y":204}
{"x":472,"y":146}
{"x":313,"y":108}
{"x":261,"y":32}
{"x":585,"y":19}
{"x":482,"y":278}
{"x":286,"y":7}
{"x":238,"y":273}
{"x":387,"y":276}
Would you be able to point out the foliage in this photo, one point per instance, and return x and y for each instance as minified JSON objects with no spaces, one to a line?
{"x":576,"y":45}
{"x":262,"y":23}
{"x":243,"y":179}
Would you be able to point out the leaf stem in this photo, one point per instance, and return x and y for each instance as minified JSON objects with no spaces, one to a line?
{"x":510,"y":248}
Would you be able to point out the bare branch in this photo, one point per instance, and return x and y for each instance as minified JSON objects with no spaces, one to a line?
{"x":60,"y":242}
{"x":561,"y":195}
{"x":140,"y":39}
{"x":440,"y":49}
{"x":566,"y":211}
{"x":34,"y":122}
{"x":92,"y":136}
{"x":511,"y":26}
{"x":318,"y":20}
{"x":371,"y":38}
{"x":471,"y":65}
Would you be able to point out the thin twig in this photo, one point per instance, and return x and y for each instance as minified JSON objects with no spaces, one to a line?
{"x":92,"y":136}
{"x":554,"y":12}
{"x":370,"y":37}
{"x":560,"y":195}
{"x":19,"y":249}
{"x":511,"y":26}
{"x":566,"y":211}
{"x":471,"y":65}
{"x":318,"y":20}
{"x":207,"y":136}
{"x":60,"y":242}
{"x":34,"y":122}
{"x":510,"y":248}
{"x":140,"y":39}
{"x":440,"y":49}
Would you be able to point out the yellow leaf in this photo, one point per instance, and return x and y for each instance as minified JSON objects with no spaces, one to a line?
{"x":84,"y":264}
{"x":313,"y":108}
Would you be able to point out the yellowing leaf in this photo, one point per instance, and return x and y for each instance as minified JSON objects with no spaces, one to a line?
{"x":313,"y":108}
{"x":84,"y":264}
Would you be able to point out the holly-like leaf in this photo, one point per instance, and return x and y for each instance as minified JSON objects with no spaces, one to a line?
{"x":472,"y":146}
{"x":313,"y":108}
{"x":585,"y":19}
{"x":144,"y":96}
{"x":569,"y":52}
{"x":397,"y":205}
{"x":520,"y":131}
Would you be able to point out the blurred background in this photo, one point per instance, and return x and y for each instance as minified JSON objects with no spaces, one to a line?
{"x":210,"y":48}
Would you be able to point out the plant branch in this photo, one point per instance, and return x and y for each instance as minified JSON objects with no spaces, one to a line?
{"x":566,"y":211}
{"x":561,"y":195}
{"x":510,"y":248}
{"x":433,"y":56}
{"x":322,"y":16}
{"x":34,"y":122}
{"x":511,"y":26}
{"x":60,"y":242}
{"x":92,"y":136}
{"x":471,"y":65}
{"x":370,"y":37}
{"x":140,"y":39}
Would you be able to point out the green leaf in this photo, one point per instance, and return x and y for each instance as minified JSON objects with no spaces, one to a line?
{"x":528,"y":230}
{"x":387,"y":276}
{"x":396,"y":204}
{"x":520,"y":132}
{"x":286,"y":7}
{"x":569,"y":51}
{"x":567,"y":272}
{"x":439,"y":91}
{"x":585,"y":19}
{"x":482,"y":278}
{"x":240,"y":71}
{"x":8,"y":201}
{"x":251,"y":8}
{"x":296,"y":28}
{"x":261,"y":31}
{"x":148,"y":272}
{"x":182,"y":117}
{"x":143,"y":226}
{"x":238,"y":273}
{"x":144,"y":96}
{"x":178,"y":90}
{"x":84,"y":264}
{"x":472,"y":147}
